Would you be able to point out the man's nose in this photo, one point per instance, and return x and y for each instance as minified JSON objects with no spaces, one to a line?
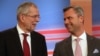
{"x":66,"y":21}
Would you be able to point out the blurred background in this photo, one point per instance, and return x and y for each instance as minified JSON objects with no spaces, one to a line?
{"x":51,"y":23}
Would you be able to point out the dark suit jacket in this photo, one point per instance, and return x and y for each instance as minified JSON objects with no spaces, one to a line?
{"x":10,"y":44}
{"x":64,"y":48}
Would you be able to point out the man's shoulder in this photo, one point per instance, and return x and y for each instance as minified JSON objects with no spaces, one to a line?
{"x":36,"y":33}
{"x":64,"y":41}
{"x":91,"y":37}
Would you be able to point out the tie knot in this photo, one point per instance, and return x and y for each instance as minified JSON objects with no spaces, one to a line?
{"x":78,"y":39}
{"x":25,"y":35}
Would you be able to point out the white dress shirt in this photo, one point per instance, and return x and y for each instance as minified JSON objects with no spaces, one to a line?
{"x":82,"y":42}
{"x":20,"y":31}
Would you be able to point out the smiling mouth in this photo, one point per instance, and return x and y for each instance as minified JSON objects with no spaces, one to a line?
{"x":34,"y":24}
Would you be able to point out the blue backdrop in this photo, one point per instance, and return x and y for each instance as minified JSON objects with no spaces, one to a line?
{"x":51,"y":18}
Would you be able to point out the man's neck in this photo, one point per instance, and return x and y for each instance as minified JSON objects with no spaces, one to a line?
{"x":78,"y":33}
{"x":23,"y":28}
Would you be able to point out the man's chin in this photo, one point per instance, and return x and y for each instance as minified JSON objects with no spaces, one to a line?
{"x":30,"y":30}
{"x":33,"y":28}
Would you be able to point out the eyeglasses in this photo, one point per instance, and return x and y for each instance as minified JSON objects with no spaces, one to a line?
{"x":35,"y":16}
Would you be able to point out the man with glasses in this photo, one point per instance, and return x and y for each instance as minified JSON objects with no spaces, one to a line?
{"x":22,"y":40}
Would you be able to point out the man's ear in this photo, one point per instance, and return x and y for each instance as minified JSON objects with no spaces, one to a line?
{"x":22,"y":17}
{"x":81,"y":19}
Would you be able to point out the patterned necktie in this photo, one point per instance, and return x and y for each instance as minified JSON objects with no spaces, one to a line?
{"x":26,"y":48}
{"x":78,"y":51}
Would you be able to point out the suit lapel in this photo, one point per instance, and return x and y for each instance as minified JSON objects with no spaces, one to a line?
{"x":68,"y":47}
{"x":17,"y":43}
{"x":33,"y":44}
{"x":90,"y":44}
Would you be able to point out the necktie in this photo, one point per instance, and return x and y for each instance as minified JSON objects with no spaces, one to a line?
{"x":78,"y":51}
{"x":26,"y":48}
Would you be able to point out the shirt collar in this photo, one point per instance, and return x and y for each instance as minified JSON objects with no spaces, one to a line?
{"x":82,"y":36}
{"x":20,"y":31}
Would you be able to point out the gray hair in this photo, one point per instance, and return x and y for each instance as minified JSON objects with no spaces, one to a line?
{"x":24,"y":8}
{"x":77,"y":9}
